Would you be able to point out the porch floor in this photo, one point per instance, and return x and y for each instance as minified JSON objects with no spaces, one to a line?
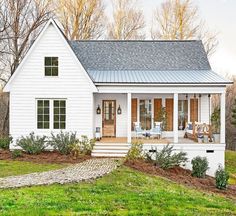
{"x":146,"y":140}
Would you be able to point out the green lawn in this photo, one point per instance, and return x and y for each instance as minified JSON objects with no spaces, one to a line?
{"x":123,"y":192}
{"x":9,"y":168}
{"x":230,"y":163}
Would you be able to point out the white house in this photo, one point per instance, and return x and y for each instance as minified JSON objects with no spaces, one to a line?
{"x":83,"y":85}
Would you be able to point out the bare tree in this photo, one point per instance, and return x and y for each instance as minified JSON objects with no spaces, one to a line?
{"x":128,"y":21}
{"x":179,"y":20}
{"x":21,"y":21}
{"x":81,"y":19}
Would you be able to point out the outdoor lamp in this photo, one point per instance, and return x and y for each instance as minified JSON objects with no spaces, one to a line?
{"x":119,"y":111}
{"x":98,"y":110}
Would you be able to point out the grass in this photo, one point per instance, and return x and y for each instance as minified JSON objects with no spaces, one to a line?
{"x":230,"y":163}
{"x":123,"y":192}
{"x":10,"y":168}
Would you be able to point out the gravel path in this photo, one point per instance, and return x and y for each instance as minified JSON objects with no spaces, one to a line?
{"x":87,"y":170}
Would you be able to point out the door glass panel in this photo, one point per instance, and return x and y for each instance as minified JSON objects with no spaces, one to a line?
{"x":109,"y":112}
{"x":145,"y":111}
{"x":182,"y":114}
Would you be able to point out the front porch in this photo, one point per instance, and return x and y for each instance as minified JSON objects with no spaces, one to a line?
{"x":116,"y":113}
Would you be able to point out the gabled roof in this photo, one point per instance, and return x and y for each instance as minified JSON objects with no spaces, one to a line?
{"x":141,"y":55}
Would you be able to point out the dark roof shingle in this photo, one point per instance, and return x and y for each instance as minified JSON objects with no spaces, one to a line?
{"x":141,"y":55}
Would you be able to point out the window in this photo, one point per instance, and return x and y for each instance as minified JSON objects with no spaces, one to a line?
{"x":59,"y":112}
{"x":51,"y":66}
{"x":43,"y":114}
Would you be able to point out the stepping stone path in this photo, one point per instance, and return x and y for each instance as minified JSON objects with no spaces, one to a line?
{"x":87,"y":170}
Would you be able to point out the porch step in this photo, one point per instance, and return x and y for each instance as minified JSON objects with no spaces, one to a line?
{"x":110,"y":150}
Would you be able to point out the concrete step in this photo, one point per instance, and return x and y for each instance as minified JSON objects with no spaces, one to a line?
{"x":111,"y":147}
{"x":111,"y":150}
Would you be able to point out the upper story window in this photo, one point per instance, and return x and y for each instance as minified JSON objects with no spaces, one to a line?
{"x":51,"y":66}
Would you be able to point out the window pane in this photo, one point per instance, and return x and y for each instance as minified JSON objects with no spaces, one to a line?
{"x":48,"y":71}
{"x":56,"y":103}
{"x":56,"y":118}
{"x":62,"y":125}
{"x":46,"y":103}
{"x":40,"y":110}
{"x":40,"y":125}
{"x":46,"y":125}
{"x":56,"y":125}
{"x":54,"y":61}
{"x":40,"y":103}
{"x":46,"y":110}
{"x":62,"y":118}
{"x":55,"y":71}
{"x":62,"y":103}
{"x":56,"y":111}
{"x":46,"y":117}
{"x":40,"y":117}
{"x":47,"y":61}
{"x":62,"y":110}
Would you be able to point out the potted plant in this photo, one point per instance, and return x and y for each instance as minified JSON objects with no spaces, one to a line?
{"x":215,"y":123}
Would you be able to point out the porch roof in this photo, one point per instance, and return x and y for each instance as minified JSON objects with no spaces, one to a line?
{"x":158,"y":77}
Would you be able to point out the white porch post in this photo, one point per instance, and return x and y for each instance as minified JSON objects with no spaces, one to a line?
{"x":222,"y":118}
{"x":129,"y":117}
{"x":175,"y":120}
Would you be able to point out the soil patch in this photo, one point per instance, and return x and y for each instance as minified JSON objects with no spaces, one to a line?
{"x":182,"y":176}
{"x":44,"y":157}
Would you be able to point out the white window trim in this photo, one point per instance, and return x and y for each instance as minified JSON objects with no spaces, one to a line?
{"x":50,"y":66}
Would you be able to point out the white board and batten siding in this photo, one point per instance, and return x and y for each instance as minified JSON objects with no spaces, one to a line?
{"x":30,"y":84}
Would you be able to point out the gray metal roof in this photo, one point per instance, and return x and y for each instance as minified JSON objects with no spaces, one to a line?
{"x":158,"y":77}
{"x":141,"y":55}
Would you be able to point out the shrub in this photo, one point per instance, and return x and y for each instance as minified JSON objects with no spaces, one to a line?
{"x":5,"y":142}
{"x":199,"y":166}
{"x":16,"y":153}
{"x":221,"y":177}
{"x":166,"y":159}
{"x":136,"y":151}
{"x":32,"y":144}
{"x":86,"y":145}
{"x":62,"y":142}
{"x":83,"y":146}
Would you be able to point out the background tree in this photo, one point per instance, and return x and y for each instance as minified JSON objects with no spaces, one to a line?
{"x":127,"y":21}
{"x":179,"y":20}
{"x":20,"y":22}
{"x":81,"y":19}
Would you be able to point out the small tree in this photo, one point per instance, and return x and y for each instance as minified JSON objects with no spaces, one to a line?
{"x":215,"y":120}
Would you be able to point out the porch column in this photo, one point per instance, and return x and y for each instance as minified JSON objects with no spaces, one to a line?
{"x":129,"y":117}
{"x":175,"y":119}
{"x":222,"y":118}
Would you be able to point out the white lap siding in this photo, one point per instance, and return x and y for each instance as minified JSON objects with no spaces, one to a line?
{"x":30,"y":84}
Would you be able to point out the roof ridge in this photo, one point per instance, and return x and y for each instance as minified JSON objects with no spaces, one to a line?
{"x":106,"y":40}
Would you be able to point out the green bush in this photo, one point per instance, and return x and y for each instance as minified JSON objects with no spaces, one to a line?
{"x":199,"y":166}
{"x":166,"y":159}
{"x":83,"y":146}
{"x":32,"y":144}
{"x":86,"y":145}
{"x":136,"y":151}
{"x":63,"y":141}
{"x":5,"y":142}
{"x":16,"y":153}
{"x":221,"y":177}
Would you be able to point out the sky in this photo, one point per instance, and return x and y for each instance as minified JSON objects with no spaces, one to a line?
{"x":220,"y":16}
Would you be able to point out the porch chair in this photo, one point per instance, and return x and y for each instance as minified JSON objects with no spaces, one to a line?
{"x":138,"y":130}
{"x":157,"y":130}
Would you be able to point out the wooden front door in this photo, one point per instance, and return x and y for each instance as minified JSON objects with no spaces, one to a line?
{"x":134,"y":112}
{"x":157,"y":108}
{"x":109,"y":118}
{"x":169,"y":113}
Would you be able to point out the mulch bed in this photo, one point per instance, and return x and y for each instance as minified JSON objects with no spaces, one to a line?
{"x":44,"y":157}
{"x":182,"y":176}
